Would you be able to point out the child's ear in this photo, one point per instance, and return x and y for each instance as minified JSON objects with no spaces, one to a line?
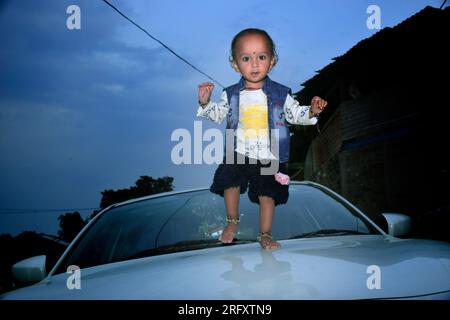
{"x":235,"y":66}
{"x":273,"y":62}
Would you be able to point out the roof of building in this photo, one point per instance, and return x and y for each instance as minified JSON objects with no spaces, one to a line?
{"x":414,"y":46}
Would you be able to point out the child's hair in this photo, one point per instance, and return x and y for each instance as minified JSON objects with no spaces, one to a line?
{"x":250,"y":31}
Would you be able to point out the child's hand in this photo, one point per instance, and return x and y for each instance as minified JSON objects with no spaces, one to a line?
{"x":317,"y":105}
{"x":204,"y":92}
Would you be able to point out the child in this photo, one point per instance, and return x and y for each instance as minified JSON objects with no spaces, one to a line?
{"x":256,"y":109}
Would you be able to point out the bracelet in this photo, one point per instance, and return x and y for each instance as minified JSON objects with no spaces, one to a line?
{"x":203,"y":104}
{"x":312,"y":114}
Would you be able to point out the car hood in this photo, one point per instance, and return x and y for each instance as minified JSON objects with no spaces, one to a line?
{"x":344,"y":267}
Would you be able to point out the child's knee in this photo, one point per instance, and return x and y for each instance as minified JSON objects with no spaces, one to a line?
{"x":266,"y":200}
{"x":233,"y":190}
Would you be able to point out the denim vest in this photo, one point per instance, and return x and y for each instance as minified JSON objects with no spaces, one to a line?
{"x":276,"y":97}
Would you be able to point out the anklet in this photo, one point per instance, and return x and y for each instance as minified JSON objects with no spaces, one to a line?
{"x":264,"y":235}
{"x":233,"y":220}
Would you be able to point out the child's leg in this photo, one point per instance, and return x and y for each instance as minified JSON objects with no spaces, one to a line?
{"x":231,"y":196}
{"x":266,"y":212}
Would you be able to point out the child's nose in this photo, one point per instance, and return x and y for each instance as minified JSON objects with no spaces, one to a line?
{"x":255,"y":62}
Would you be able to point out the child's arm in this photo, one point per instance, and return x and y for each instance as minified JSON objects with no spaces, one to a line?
{"x":209,"y":109}
{"x":305,"y":115}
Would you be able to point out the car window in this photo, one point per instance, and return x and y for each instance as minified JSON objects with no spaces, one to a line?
{"x":310,"y":209}
{"x":124,"y":231}
{"x":138,"y":229}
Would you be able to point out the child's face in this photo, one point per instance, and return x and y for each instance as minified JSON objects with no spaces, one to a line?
{"x":253,"y":59}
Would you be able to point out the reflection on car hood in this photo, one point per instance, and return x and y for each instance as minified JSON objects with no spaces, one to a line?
{"x":316,"y":268}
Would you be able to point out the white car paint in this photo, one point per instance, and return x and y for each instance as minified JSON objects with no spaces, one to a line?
{"x":316,"y":268}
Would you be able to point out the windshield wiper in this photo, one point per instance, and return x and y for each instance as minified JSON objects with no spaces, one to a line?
{"x":200,"y":244}
{"x":327,"y":232}
{"x":185,"y":246}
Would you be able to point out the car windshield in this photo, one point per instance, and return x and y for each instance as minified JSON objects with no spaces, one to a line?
{"x":194,"y":220}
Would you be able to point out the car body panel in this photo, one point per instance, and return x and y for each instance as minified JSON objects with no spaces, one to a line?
{"x":334,"y":267}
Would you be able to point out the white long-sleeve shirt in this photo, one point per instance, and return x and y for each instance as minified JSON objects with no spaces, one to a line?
{"x":252,"y":138}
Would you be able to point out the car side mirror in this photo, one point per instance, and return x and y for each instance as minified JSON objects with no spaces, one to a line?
{"x":30,"y":270}
{"x":398,"y":224}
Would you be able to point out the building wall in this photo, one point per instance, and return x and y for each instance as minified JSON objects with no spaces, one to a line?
{"x":370,"y":152}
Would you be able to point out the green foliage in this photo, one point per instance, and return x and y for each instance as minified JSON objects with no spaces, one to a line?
{"x":145,"y":186}
{"x":70,"y":225}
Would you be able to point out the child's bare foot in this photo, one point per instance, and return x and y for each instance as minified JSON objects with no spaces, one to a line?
{"x":228,"y":233}
{"x":230,"y":230}
{"x":266,"y":241}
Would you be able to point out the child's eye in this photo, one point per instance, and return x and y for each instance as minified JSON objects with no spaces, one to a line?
{"x":245,"y":59}
{"x":263,"y":57}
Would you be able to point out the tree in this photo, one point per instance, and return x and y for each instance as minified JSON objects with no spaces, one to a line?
{"x":70,"y":225}
{"x":144,"y":186}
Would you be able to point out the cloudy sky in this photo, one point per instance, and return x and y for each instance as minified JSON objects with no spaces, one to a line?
{"x":86,"y":110}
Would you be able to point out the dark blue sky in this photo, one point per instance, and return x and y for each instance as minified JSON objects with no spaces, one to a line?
{"x":86,"y":110}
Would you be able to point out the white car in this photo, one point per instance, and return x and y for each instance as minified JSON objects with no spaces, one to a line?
{"x":165,"y":247}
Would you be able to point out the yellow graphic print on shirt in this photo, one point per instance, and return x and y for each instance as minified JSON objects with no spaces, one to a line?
{"x":254,"y":120}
